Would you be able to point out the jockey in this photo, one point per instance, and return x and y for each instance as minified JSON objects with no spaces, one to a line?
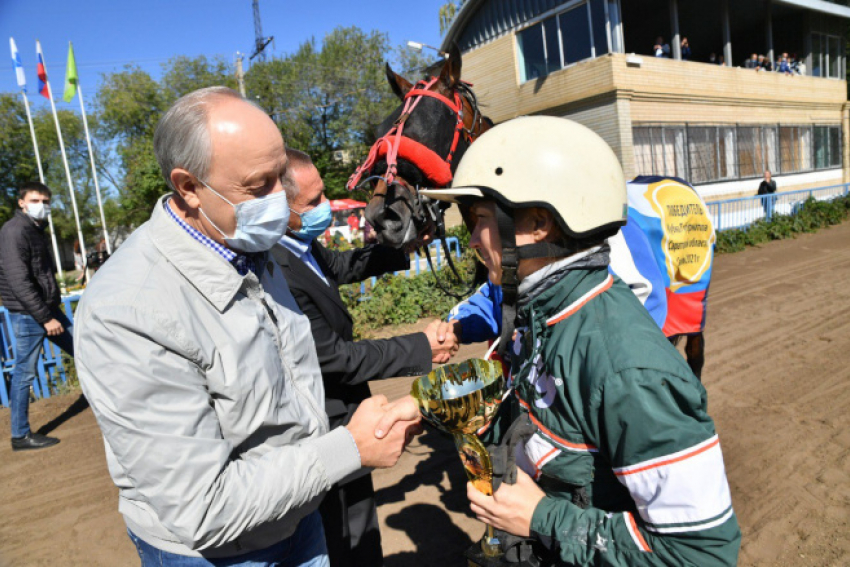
{"x":619,"y":463}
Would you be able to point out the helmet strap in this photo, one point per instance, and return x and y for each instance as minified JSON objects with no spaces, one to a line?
{"x":549,"y":250}
{"x":510,"y":282}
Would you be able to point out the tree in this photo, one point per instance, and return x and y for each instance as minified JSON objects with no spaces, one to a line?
{"x":330,"y":98}
{"x":18,"y":165}
{"x":448,"y":12}
{"x":130,"y":104}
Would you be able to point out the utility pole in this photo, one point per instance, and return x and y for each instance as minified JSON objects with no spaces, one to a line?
{"x":260,"y":41}
{"x":240,"y":74}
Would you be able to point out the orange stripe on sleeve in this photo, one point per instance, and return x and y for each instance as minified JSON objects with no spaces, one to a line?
{"x":669,"y":461}
{"x":636,"y":533}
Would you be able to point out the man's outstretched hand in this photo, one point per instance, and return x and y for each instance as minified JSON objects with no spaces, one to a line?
{"x":443,"y":339}
{"x":382,"y":429}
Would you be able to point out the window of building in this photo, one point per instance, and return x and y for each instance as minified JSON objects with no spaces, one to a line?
{"x":600,"y":31}
{"x":827,"y":141}
{"x":579,"y":33}
{"x":795,"y":149}
{"x":827,"y":56}
{"x":661,"y":151}
{"x":706,"y":154}
{"x":575,"y":34}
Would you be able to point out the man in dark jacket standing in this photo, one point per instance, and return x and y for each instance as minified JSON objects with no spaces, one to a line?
{"x":313,"y":274}
{"x":29,"y":291}
{"x":767,"y":189}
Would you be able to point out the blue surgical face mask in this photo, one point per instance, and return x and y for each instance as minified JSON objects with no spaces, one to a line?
{"x":260,"y":222}
{"x":314,"y":222}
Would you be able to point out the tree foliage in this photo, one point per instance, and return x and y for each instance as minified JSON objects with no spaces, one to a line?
{"x":18,"y":164}
{"x":325,"y":97}
{"x":448,"y":12}
{"x":331,"y":97}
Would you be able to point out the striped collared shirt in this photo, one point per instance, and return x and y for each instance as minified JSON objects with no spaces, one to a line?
{"x":242,"y":262}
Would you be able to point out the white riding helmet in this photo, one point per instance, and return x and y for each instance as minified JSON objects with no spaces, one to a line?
{"x":549,"y":162}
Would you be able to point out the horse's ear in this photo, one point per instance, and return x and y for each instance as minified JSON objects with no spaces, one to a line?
{"x":450,"y":75}
{"x":398,"y":84}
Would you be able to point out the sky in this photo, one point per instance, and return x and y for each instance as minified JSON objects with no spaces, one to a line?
{"x":108,"y":34}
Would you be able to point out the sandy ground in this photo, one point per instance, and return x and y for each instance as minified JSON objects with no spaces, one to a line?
{"x":778,"y":350}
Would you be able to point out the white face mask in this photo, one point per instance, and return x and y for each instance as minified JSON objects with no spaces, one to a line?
{"x":260,"y":222}
{"x":38,"y":211}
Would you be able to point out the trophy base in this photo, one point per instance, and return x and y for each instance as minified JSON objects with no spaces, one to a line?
{"x":475,"y":558}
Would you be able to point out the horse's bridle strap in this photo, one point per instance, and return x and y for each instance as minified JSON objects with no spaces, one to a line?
{"x":390,"y":144}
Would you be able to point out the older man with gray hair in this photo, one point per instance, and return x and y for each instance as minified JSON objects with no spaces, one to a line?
{"x":199,"y":365}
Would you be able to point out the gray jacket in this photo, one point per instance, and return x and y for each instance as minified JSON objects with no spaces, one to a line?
{"x":207,"y":388}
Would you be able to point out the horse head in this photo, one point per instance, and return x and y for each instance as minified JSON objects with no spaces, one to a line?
{"x":419,"y":145}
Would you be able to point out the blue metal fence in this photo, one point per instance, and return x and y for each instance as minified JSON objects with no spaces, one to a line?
{"x":419,"y":264}
{"x":50,"y":368}
{"x":744,"y":211}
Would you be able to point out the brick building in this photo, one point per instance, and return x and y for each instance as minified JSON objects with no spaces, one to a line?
{"x":717,"y":126}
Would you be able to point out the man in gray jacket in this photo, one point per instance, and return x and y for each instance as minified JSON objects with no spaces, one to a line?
{"x":200,"y":368}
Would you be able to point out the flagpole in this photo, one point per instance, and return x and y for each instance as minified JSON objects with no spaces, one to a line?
{"x":94,"y":170}
{"x":65,"y":161}
{"x":41,"y":178}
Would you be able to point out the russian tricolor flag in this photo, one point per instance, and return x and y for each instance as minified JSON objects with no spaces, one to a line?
{"x":42,"y":73}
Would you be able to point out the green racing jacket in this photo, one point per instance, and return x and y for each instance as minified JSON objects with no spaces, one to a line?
{"x":623,"y":447}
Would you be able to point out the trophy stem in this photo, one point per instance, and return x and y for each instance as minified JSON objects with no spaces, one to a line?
{"x":479,"y":469}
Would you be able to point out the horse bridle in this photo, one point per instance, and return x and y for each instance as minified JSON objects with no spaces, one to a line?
{"x":393,"y":142}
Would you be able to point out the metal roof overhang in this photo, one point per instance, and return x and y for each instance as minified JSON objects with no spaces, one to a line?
{"x":471,"y":6}
{"x":819,"y":6}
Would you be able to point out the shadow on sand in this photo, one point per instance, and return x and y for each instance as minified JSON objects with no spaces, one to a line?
{"x":74,"y":409}
{"x":438,"y":540}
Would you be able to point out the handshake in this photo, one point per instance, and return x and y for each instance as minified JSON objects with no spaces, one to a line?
{"x":382,"y":429}
{"x":444,"y":338}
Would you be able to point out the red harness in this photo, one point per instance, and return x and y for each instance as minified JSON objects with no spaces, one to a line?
{"x":394,"y":145}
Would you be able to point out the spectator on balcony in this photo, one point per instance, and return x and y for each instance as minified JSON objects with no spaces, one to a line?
{"x":752,"y":62}
{"x":784,"y":65}
{"x":660,"y":48}
{"x":765,"y":63}
{"x":686,"y":49}
{"x":798,"y":66}
{"x":767,"y":188}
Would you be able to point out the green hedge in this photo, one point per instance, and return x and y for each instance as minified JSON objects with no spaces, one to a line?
{"x":396,"y":300}
{"x":812,"y":216}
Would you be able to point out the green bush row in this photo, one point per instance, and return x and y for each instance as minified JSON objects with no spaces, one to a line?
{"x":811,"y":216}
{"x":395,"y":300}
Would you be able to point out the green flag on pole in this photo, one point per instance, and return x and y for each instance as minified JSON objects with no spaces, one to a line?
{"x":71,"y":78}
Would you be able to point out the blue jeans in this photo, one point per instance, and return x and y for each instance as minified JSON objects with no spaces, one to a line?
{"x":304,"y":548}
{"x":29,"y":336}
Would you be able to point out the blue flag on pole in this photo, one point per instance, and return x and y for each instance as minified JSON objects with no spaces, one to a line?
{"x":16,"y":63}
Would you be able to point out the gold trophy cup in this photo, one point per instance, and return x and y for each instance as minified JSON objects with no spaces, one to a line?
{"x":461,"y":400}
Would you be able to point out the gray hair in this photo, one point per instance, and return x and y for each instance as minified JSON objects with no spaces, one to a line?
{"x":182,"y":138}
{"x":296,"y":160}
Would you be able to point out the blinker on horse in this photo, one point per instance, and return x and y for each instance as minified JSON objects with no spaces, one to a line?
{"x":419,"y":145}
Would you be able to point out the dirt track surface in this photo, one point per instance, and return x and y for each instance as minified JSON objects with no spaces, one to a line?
{"x":777,"y":371}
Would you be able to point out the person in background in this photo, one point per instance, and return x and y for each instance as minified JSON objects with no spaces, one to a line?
{"x":767,"y":188}
{"x":314,"y":274}
{"x":353,"y":226}
{"x":686,"y":49}
{"x":784,"y":65}
{"x":200,"y":367}
{"x":31,"y":294}
{"x":661,"y":49}
{"x":766,"y":63}
{"x":752,"y":62}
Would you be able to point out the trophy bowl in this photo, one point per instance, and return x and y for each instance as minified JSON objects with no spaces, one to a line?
{"x":461,"y":400}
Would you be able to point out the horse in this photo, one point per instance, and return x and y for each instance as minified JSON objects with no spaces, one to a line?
{"x":418,"y":149}
{"x":423,"y":149}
